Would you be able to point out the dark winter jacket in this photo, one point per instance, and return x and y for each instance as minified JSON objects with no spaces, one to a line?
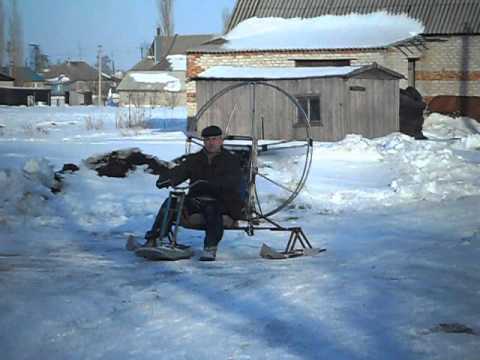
{"x":223,"y":175}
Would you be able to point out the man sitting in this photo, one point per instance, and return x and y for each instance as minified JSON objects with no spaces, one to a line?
{"x":216,"y":174}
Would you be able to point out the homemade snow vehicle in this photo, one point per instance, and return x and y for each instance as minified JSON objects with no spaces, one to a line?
{"x":274,"y":172}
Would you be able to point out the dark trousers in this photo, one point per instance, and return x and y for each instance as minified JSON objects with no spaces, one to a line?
{"x":211,"y":211}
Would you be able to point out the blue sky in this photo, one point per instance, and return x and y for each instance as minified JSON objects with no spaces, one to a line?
{"x":74,"y":28}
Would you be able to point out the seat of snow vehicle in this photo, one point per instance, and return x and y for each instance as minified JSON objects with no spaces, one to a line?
{"x":196,"y":221}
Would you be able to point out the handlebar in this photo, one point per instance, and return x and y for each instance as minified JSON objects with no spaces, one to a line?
{"x":190,"y":186}
{"x":184,"y":187}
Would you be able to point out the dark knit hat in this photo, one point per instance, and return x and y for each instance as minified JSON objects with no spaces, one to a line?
{"x":211,"y":130}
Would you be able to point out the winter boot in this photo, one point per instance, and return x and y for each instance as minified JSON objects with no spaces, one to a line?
{"x":151,"y":240}
{"x":209,"y":254}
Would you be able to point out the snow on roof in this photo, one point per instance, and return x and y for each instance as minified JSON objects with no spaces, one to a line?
{"x":173,"y":86}
{"x":325,"y":32}
{"x":229,"y":72}
{"x":149,"y":77}
{"x":151,"y":81}
{"x":59,"y":79}
{"x":178,"y":62}
{"x":171,"y":82}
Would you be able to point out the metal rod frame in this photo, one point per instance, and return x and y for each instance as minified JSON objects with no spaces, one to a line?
{"x":297,"y":236}
{"x":255,"y":148}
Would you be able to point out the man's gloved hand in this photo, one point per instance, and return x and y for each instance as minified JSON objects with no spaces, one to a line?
{"x":162,"y":183}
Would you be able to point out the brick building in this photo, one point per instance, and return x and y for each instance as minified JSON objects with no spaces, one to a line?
{"x":444,"y":60}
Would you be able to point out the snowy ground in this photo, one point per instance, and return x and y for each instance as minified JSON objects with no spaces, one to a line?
{"x":399,"y":219}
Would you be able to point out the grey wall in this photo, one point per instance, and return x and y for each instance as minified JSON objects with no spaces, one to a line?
{"x":371,"y":113}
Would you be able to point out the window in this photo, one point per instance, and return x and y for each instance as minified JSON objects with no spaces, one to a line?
{"x":320,"y":63}
{"x":311,"y":105}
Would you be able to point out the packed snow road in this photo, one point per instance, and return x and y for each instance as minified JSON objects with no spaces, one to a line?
{"x":400,"y":278}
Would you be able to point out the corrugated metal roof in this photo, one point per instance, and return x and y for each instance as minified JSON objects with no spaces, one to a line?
{"x":439,"y":16}
{"x":217,"y":49}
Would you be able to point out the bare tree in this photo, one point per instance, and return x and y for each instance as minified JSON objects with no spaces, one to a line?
{"x":226,"y":15}
{"x":2,"y":34}
{"x":16,"y":37}
{"x":166,"y":22}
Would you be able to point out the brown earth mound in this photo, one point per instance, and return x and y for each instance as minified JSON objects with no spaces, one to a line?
{"x":119,"y":162}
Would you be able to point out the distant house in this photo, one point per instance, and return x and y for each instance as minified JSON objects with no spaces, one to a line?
{"x":152,"y":88}
{"x":30,"y":93}
{"x":447,"y":62}
{"x":76,"y":83}
{"x":174,"y":49}
{"x":26,"y":77}
{"x":153,"y":80}
{"x":338,"y":101}
{"x":6,"y":80}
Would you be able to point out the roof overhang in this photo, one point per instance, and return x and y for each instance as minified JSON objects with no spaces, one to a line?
{"x":229,"y":73}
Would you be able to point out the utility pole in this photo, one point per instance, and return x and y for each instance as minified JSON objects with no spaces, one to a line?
{"x":11,"y":60}
{"x":113,"y":64}
{"x":80,"y":51}
{"x":99,"y":75}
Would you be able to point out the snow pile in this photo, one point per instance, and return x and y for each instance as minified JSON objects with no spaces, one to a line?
{"x":90,"y":204}
{"x":26,"y":192}
{"x":440,"y":126}
{"x":352,"y":148}
{"x":429,"y":171}
{"x":471,"y":142}
{"x":359,"y":173}
{"x":324,"y":32}
{"x":85,"y":201}
{"x":40,"y":171}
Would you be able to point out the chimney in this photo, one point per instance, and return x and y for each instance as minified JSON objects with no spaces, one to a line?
{"x":157,"y":49}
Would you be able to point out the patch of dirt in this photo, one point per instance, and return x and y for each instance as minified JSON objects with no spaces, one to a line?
{"x":119,"y":162}
{"x":115,"y":164}
{"x":454,"y":328}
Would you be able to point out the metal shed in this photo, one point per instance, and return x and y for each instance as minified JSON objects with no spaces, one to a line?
{"x":339,"y":101}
